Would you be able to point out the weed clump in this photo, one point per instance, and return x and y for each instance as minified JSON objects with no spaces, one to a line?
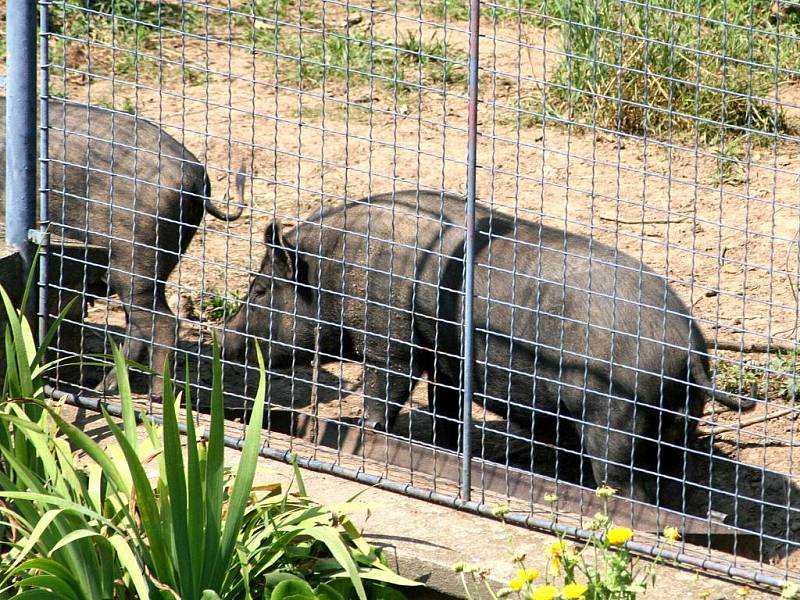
{"x":672,"y":67}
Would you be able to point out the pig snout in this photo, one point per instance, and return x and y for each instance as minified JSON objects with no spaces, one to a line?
{"x":374,"y":425}
{"x":234,"y":338}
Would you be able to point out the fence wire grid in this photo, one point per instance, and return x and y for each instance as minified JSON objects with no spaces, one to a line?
{"x":295,"y":173}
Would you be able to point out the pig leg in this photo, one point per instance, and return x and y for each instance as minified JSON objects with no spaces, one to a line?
{"x":444,"y":403}
{"x":386,"y":390}
{"x":150,"y":331}
{"x":613,"y":455}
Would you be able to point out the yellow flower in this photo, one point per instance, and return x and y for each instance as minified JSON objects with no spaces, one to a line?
{"x":600,"y":520}
{"x":527,"y":575}
{"x":516,"y":584}
{"x":605,"y":491}
{"x":743,"y":591}
{"x":501,"y":510}
{"x":574,"y":591}
{"x":672,"y":534}
{"x":557,"y":549}
{"x":555,"y":566}
{"x":617,"y":536}
{"x":550,"y":498}
{"x":790,"y":591}
{"x":544,"y":592}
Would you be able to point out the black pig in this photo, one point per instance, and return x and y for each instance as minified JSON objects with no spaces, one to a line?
{"x":565,"y":326}
{"x":119,"y":182}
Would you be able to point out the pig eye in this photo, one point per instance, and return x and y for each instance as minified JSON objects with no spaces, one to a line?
{"x":260,"y":286}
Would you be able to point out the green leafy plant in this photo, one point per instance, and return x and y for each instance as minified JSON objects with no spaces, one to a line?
{"x":219,"y":306}
{"x":145,"y":518}
{"x":776,"y":377}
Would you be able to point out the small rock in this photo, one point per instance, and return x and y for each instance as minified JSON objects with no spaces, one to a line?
{"x":352,"y":20}
{"x":364,"y":99}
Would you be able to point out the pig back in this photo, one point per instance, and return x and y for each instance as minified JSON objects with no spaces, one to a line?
{"x":101,"y":160}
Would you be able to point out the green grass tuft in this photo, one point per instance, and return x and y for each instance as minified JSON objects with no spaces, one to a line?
{"x":661,"y":69}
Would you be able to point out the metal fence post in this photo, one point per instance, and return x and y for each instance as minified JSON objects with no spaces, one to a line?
{"x":469,"y":253}
{"x":21,"y":126}
{"x":44,"y":164}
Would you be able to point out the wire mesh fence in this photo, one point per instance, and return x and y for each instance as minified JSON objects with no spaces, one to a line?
{"x":634,"y":259}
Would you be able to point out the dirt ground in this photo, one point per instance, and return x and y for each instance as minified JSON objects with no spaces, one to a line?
{"x":728,"y":244}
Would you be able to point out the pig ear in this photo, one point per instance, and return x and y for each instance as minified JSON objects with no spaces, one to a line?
{"x":283,"y":255}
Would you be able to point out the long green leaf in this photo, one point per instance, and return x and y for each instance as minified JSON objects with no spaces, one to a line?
{"x":50,"y":582}
{"x":124,"y":387}
{"x":37,"y":595}
{"x":196,"y":506}
{"x":176,"y":486}
{"x":40,"y":441}
{"x":247,"y":469}
{"x":76,"y":535}
{"x":30,"y":278}
{"x":148,"y":508}
{"x":35,"y":535}
{"x":330,"y":537}
{"x":51,"y":332}
{"x":20,"y":347}
{"x":11,"y":383}
{"x":17,"y":363}
{"x":132,"y":566}
{"x":88,"y":446}
{"x":56,"y":501}
{"x":46,"y":565}
{"x":214,"y":473}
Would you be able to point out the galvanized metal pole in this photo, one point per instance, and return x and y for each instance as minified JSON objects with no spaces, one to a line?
{"x":44,"y":164}
{"x":469,"y":251}
{"x":21,"y":126}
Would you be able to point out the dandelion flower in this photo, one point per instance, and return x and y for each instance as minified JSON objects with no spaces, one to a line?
{"x":605,"y":491}
{"x":550,"y":498}
{"x":557,"y":549}
{"x":600,"y":520}
{"x":544,"y":592}
{"x":790,"y":591}
{"x":671,"y":534}
{"x":555,"y":566}
{"x":528,"y":575}
{"x":574,"y":591}
{"x":501,"y":510}
{"x":516,"y":584}
{"x":619,"y":535}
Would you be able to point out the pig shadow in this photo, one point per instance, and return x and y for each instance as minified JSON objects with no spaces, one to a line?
{"x":757,"y":501}
{"x":762,"y":504}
